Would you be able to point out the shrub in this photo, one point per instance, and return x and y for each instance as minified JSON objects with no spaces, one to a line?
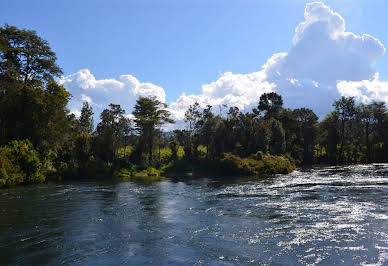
{"x":19,"y":163}
{"x":257,"y":164}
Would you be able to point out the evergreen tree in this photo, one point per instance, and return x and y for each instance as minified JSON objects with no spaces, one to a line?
{"x":86,"y":118}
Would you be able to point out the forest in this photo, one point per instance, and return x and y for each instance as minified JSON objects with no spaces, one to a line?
{"x":41,"y":140}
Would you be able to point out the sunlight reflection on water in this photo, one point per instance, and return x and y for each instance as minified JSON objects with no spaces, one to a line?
{"x":331,"y":215}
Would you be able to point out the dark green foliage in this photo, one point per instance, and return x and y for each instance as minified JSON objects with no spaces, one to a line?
{"x":39,"y":135}
{"x":187,"y":138}
{"x":19,"y":164}
{"x":258,"y":164}
{"x":111,"y":132}
{"x":306,"y":134}
{"x":271,"y":103}
{"x":346,"y":111}
{"x":149,"y":114}
{"x":207,"y":127}
{"x":25,"y":57}
{"x":86,"y":118}
{"x":278,"y":142}
{"x":173,"y":145}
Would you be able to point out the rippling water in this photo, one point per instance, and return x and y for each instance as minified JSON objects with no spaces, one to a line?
{"x":320,"y":216}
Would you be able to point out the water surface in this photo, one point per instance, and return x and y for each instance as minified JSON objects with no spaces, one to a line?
{"x":322,"y":216}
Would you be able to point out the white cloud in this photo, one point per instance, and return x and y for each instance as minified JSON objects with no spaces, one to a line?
{"x":365,"y":91}
{"x":241,"y":90}
{"x":86,"y":98}
{"x":100,"y":93}
{"x":77,"y":113}
{"x":322,"y":54}
{"x":324,"y":62}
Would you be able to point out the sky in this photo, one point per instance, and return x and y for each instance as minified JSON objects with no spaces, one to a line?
{"x":213,"y":51}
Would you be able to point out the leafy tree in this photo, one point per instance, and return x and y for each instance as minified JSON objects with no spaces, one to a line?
{"x":271,"y":103}
{"x":83,"y":150}
{"x":346,"y":110}
{"x":367,"y":118}
{"x":330,"y":136}
{"x":278,"y":142}
{"x":174,"y":150}
{"x":32,"y":104}
{"x":86,"y":118}
{"x":289,"y":123}
{"x":380,"y":132}
{"x":192,"y":116}
{"x":149,"y":114}
{"x":247,"y":133}
{"x":206,"y":128}
{"x":26,"y":57}
{"x":111,"y":132}
{"x":307,"y":123}
{"x":19,"y":163}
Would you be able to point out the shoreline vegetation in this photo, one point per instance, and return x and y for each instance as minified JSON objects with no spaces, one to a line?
{"x":40,"y":139}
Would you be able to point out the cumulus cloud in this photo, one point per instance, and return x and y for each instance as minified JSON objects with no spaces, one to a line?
{"x":240,"y":90}
{"x":322,"y":54}
{"x":365,"y":91}
{"x":324,"y":62}
{"x":100,"y":93}
{"x":323,"y":51}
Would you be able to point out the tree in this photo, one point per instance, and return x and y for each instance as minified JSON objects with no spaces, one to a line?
{"x":307,"y":123}
{"x":271,"y":103}
{"x":292,"y":133}
{"x":111,"y":131}
{"x":330,"y":136}
{"x":380,"y":131}
{"x":232,"y":128}
{"x":346,"y":110}
{"x":206,"y":128}
{"x":19,"y":163}
{"x":278,"y":143}
{"x":149,"y":114}
{"x":247,"y":133}
{"x":86,"y":118}
{"x":366,"y":116}
{"x":26,"y":57}
{"x":32,"y":104}
{"x":192,"y":116}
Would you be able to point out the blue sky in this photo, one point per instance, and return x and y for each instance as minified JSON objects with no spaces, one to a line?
{"x":181,"y":45}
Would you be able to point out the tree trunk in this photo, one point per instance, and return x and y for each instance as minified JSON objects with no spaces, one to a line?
{"x":342,"y":159}
{"x":150,"y":147}
{"x":367,"y":143}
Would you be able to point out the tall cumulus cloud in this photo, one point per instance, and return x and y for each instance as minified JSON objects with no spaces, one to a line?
{"x":324,"y":62}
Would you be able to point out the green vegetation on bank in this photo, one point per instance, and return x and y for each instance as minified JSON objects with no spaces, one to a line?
{"x":40,"y":139}
{"x":19,"y":164}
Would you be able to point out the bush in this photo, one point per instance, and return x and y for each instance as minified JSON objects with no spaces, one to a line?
{"x":257,"y":164}
{"x":19,"y":164}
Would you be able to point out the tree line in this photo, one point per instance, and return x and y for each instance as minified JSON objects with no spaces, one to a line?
{"x":40,"y":138}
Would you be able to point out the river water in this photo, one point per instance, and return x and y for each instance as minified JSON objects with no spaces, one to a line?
{"x":324,"y":216}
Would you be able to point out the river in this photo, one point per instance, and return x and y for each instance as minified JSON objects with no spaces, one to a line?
{"x":323,"y":216}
